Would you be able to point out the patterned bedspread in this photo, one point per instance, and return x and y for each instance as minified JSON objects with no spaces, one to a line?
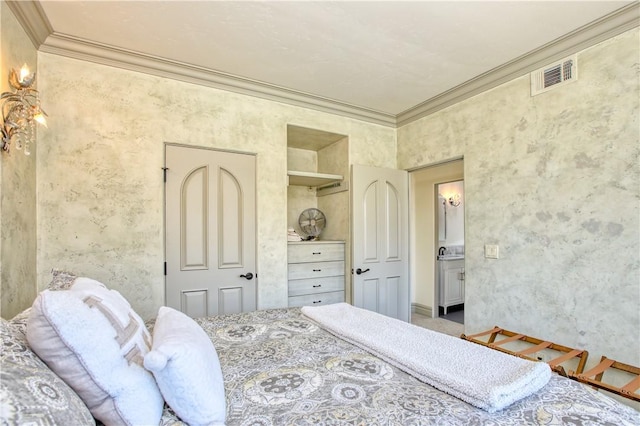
{"x":280,"y":368}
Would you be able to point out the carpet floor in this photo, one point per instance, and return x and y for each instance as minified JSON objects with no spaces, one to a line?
{"x":445,"y":326}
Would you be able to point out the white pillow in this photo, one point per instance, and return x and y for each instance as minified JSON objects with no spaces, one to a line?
{"x":91,"y":338}
{"x":186,"y":366}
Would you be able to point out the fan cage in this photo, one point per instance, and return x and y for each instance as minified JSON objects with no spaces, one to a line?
{"x":312,"y":222}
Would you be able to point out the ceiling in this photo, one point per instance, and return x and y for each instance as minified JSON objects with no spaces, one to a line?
{"x":381,"y":61}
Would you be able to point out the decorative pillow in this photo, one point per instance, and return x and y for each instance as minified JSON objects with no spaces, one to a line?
{"x":19,"y":322}
{"x":96,"y":343}
{"x":186,"y":366}
{"x":30,"y":392}
{"x":61,"y":280}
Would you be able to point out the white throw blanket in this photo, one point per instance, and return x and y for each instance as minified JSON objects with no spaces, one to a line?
{"x":481,"y":376}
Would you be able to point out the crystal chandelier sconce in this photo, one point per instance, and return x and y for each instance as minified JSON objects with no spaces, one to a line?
{"x":20,"y":110}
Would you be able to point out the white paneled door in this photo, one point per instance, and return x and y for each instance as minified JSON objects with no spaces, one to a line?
{"x":210,"y":231}
{"x":380,"y":240}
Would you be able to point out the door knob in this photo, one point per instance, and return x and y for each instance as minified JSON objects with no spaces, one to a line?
{"x":361,"y":271}
{"x":248,"y":276}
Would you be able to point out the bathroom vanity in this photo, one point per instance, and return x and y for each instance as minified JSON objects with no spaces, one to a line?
{"x":451,"y":281}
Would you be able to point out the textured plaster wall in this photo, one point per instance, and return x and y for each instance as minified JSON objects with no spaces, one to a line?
{"x":17,"y":187}
{"x":554,"y":181}
{"x":100,"y":191}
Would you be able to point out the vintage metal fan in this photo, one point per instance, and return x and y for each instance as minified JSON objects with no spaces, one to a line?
{"x":312,"y":222}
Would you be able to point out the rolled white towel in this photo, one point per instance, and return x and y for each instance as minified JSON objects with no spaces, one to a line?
{"x":483,"y":377}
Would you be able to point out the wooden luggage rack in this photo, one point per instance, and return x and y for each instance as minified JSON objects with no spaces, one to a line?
{"x":537,"y":345}
{"x":593,"y":377}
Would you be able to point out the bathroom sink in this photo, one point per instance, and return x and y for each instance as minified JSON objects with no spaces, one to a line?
{"x":451,"y":257}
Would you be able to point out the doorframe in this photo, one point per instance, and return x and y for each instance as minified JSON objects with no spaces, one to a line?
{"x":419,"y":272}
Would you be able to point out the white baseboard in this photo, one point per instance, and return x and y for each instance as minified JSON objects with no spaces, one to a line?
{"x":421,"y":309}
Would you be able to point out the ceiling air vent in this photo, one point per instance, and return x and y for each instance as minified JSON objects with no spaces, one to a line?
{"x":554,"y":75}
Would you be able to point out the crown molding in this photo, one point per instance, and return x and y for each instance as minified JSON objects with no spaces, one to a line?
{"x":72,"y":47}
{"x":609,"y":26}
{"x":33,"y":20}
{"x":36,"y":25}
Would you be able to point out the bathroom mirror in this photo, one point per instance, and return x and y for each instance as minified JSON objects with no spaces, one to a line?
{"x":451,"y":213}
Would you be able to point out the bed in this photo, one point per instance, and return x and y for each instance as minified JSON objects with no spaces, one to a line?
{"x":66,"y":361}
{"x":281,"y":368}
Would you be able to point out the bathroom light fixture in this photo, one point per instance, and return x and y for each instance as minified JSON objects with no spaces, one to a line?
{"x":20,"y":109}
{"x":454,"y":200}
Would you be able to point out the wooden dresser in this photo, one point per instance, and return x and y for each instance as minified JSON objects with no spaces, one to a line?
{"x":316,"y":272}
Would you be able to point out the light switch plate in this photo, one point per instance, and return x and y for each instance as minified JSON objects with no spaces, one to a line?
{"x":491,"y":251}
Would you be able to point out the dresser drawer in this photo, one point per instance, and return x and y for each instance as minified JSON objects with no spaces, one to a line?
{"x":315,"y":252}
{"x":317,"y":299}
{"x":299,"y":271}
{"x":316,"y":285}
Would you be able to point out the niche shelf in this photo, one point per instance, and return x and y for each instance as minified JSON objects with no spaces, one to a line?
{"x":312,"y":179}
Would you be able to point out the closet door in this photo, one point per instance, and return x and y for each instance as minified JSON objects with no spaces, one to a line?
{"x":380,"y":206}
{"x":210,"y":230}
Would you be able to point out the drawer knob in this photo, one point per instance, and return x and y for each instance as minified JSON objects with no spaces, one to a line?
{"x":317,"y":285}
{"x":317,"y":252}
{"x":317,"y":301}
{"x":317,"y":270}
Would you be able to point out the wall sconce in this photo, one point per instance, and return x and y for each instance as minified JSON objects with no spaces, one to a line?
{"x":454,"y":200}
{"x":20,"y":108}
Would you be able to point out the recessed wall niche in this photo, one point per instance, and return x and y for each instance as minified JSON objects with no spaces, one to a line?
{"x":318,"y":165}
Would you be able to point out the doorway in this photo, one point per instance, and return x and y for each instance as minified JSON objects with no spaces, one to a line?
{"x":450,"y":259}
{"x":424,"y":226}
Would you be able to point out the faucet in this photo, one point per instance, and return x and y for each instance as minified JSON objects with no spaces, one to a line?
{"x":441,"y":251}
